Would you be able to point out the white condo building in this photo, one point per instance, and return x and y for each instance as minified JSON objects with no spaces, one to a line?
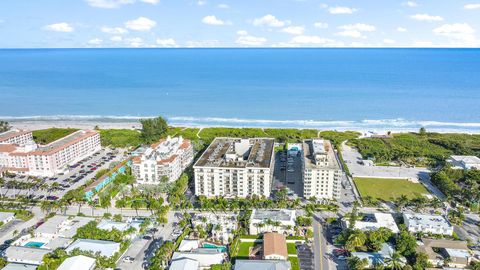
{"x":322,"y":175}
{"x":21,"y":155}
{"x":434,"y":224}
{"x":169,"y":157}
{"x":234,"y":167}
{"x":16,"y":136}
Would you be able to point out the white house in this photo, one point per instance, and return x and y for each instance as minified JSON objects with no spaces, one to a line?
{"x":189,"y":245}
{"x":464,"y":162}
{"x":281,"y":221}
{"x":378,"y":258}
{"x":205,"y":257}
{"x":106,"y":248}
{"x":6,"y":217}
{"x":374,"y":221}
{"x":78,"y":263}
{"x":262,"y":265}
{"x":25,"y":255}
{"x":184,"y":264}
{"x":434,"y":224}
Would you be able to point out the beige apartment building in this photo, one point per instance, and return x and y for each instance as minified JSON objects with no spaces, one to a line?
{"x":322,"y":174}
{"x":234,"y":167}
{"x":16,"y":136}
{"x":169,"y":157}
{"x":48,"y":160}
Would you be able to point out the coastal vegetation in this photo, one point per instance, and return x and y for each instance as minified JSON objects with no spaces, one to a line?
{"x":122,"y":138}
{"x":460,"y":186}
{"x":4,"y":126}
{"x":46,"y":136}
{"x":419,"y":149}
{"x":153,"y":129}
{"x":388,"y":189}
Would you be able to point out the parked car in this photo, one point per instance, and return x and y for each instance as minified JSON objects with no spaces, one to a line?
{"x":128,"y":259}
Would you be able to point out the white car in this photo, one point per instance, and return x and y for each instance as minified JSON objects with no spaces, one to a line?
{"x":128,"y":259}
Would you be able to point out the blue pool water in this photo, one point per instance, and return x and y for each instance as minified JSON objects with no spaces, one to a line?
{"x":219,"y":248}
{"x":34,"y":244}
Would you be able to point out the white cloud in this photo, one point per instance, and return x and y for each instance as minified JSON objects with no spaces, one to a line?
{"x":202,"y":43}
{"x":426,"y":17}
{"x":316,"y":40}
{"x":410,"y":4}
{"x":114,"y":30}
{"x":168,"y":42}
{"x":294,"y":30}
{"x":116,"y":38}
{"x":117,"y":3}
{"x":201,"y":2}
{"x":134,"y":42}
{"x":242,"y":33}
{"x":362,"y":27}
{"x":140,"y":24}
{"x":320,"y":25}
{"x":249,"y":40}
{"x":389,"y":41}
{"x":59,"y":27}
{"x":212,"y":20}
{"x":224,"y":6}
{"x":95,"y":42}
{"x":401,"y":29}
{"x":269,"y":20}
{"x":341,"y":10}
{"x":472,"y":6}
{"x":351,"y":33}
{"x":461,"y":34}
{"x":422,"y":43}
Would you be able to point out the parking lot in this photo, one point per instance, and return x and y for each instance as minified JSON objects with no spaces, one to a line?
{"x":305,"y":256}
{"x":52,"y":188}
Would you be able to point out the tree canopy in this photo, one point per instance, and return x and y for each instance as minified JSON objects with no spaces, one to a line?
{"x":153,"y":129}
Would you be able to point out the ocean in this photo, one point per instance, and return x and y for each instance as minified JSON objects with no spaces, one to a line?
{"x":301,"y":88}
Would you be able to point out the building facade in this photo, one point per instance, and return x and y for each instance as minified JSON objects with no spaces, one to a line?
{"x":322,"y":174}
{"x":234,"y":167}
{"x":167,"y":158}
{"x":16,"y":136}
{"x":47,"y":160}
{"x":434,"y":224}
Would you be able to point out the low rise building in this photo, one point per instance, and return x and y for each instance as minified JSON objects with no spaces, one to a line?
{"x":184,"y":264}
{"x":374,"y":221}
{"x":322,"y":174}
{"x":6,"y":217}
{"x":262,"y":265}
{"x":25,"y":255}
{"x":16,"y":136}
{"x":204,"y":256}
{"x":464,"y":162}
{"x":434,"y":224}
{"x":47,"y":160}
{"x":19,"y":266}
{"x":223,"y":225}
{"x":234,"y":167}
{"x":167,"y":158}
{"x":449,"y":253}
{"x":379,"y":258}
{"x":188,"y":245}
{"x":274,"y":246}
{"x":281,"y":221}
{"x":104,"y":248}
{"x":79,"y":262}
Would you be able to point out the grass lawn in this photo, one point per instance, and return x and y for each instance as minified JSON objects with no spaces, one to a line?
{"x":244,"y":249}
{"x":46,"y":136}
{"x":292,"y":250}
{"x":388,"y":189}
{"x":294,"y":262}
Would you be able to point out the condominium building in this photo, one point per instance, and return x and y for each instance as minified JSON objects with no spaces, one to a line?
{"x":433,"y":224}
{"x":47,"y":160}
{"x":322,"y":174}
{"x":16,"y":136}
{"x":233,"y":167}
{"x":167,"y":158}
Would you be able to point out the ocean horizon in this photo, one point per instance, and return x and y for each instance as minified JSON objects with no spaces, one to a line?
{"x":331,"y":88}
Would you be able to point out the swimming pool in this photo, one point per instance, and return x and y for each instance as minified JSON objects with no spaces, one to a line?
{"x":219,"y":248}
{"x":34,"y":244}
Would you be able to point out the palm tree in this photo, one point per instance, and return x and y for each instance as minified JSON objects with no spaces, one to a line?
{"x":136,"y":204}
{"x":394,"y":262}
{"x":355,"y":263}
{"x":92,"y":204}
{"x":356,"y":239}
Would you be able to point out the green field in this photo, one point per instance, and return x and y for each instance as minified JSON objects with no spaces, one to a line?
{"x":244,"y":249}
{"x":388,"y":189}
{"x":294,"y":262}
{"x":292,"y":250}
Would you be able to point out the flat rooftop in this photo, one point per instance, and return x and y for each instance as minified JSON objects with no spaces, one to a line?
{"x":12,"y":133}
{"x":466,"y":159}
{"x":64,"y":142}
{"x":319,"y":154}
{"x":275,"y":215}
{"x":427,"y":220}
{"x":238,"y":153}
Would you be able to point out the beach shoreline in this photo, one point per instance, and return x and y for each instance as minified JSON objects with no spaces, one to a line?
{"x":36,"y":124}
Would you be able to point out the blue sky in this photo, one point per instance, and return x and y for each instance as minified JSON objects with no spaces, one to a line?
{"x":245,"y":23}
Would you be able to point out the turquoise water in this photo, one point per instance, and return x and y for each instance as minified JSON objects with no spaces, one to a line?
{"x":34,"y":244}
{"x":318,"y":88}
{"x":219,"y":248}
